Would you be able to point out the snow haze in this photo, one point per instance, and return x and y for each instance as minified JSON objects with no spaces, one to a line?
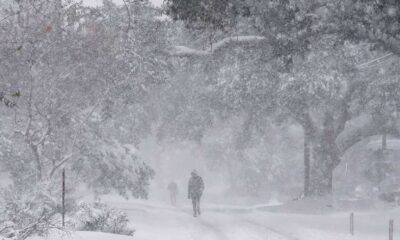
{"x":199,"y":120}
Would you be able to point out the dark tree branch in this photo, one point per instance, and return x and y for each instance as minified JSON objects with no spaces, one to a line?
{"x":361,"y":128}
{"x":128,"y":11}
{"x":305,"y":120}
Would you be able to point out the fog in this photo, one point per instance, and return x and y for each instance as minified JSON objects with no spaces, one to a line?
{"x":199,"y":119}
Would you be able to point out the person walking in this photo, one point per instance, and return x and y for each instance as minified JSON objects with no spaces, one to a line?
{"x":195,"y":191}
{"x":173,"y":192}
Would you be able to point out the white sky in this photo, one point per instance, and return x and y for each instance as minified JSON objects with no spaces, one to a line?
{"x":97,"y":2}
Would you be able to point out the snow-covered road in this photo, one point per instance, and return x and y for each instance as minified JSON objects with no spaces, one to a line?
{"x":168,"y":223}
{"x":158,"y":221}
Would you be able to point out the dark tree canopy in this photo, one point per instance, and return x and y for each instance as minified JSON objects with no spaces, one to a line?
{"x":290,"y":25}
{"x":376,"y":21}
{"x":319,"y":43}
{"x":218,"y":14}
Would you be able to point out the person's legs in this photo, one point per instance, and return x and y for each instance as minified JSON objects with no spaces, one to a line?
{"x":198,"y":205}
{"x":173,"y":199}
{"x":194,"y":206}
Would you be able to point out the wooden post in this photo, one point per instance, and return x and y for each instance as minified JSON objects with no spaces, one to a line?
{"x":63,"y":198}
{"x":381,"y":160}
{"x":391,"y":228}
{"x":352,"y":224}
{"x":384,"y":141}
{"x":306,"y":164}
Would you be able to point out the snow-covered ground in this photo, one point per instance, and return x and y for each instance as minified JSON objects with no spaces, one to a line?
{"x":84,"y":236}
{"x":159,"y":221}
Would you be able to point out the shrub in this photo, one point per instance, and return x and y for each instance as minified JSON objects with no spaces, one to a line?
{"x":23,"y":214}
{"x":99,"y":216}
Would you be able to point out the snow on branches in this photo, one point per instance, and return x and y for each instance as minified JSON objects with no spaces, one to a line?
{"x":183,"y":51}
{"x":7,"y":101}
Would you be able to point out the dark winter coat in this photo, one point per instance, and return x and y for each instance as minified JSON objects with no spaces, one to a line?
{"x":173,"y":188}
{"x":195,"y":187}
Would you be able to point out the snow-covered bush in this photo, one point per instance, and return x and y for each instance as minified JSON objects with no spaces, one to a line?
{"x":23,"y":214}
{"x":110,"y":165}
{"x":99,"y":216}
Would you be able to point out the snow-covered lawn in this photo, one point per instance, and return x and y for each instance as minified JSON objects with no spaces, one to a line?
{"x":158,"y":221}
{"x":84,"y":236}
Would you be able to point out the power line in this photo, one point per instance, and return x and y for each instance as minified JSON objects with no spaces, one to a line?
{"x":373,"y":61}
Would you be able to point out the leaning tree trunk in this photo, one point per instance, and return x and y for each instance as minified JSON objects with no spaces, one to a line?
{"x":331,"y":141}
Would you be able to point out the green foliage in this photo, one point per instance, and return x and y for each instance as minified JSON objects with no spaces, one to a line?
{"x":16,"y":94}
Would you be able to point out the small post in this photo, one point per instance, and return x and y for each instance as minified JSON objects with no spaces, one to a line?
{"x":352,"y":224}
{"x":63,"y":198}
{"x":306,"y":164}
{"x":384,"y":141}
{"x":391,"y":228}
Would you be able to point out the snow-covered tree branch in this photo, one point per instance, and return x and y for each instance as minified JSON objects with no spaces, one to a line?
{"x":183,"y":51}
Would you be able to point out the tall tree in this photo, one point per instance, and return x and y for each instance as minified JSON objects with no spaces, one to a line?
{"x":325,"y":94}
{"x":74,"y":89}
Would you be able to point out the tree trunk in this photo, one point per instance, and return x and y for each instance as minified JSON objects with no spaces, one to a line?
{"x":325,"y":158}
{"x":322,"y":174}
{"x":36,"y":154}
{"x":330,"y":141}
